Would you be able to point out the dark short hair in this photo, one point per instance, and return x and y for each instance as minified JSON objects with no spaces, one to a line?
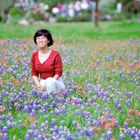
{"x":45,"y":33}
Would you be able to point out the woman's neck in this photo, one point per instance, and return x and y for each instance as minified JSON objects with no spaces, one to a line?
{"x":44,"y":50}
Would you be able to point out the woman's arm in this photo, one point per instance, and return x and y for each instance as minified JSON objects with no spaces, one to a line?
{"x":34,"y":73}
{"x":56,"y":76}
{"x":36,"y":81}
{"x":58,"y":67}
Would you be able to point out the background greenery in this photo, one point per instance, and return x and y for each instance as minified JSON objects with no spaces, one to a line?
{"x":73,"y":32}
{"x":130,"y":9}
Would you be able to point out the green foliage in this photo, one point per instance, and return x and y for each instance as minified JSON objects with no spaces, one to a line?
{"x":85,"y":16}
{"x":82,"y":18}
{"x":37,"y":16}
{"x":106,"y":14}
{"x":14,"y":11}
{"x":125,"y":1}
{"x":34,"y":16}
{"x":118,"y":17}
{"x":130,"y":7}
{"x":54,"y":2}
{"x":14,"y":19}
{"x":4,"y":9}
{"x":15,"y":15}
{"x":74,"y":19}
{"x":62,"y":19}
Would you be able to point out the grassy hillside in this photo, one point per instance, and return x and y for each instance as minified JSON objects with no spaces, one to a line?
{"x":69,"y":32}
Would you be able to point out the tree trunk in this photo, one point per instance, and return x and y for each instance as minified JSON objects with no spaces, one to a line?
{"x":96,"y":14}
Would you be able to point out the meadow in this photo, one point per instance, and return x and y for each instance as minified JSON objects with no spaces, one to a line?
{"x":102,"y":77}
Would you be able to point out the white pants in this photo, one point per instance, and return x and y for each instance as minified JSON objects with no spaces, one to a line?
{"x":52,"y":84}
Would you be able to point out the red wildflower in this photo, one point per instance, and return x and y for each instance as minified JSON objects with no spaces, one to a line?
{"x":32,"y":119}
{"x":131,"y":111}
{"x":112,"y":138}
{"x":129,"y":120}
{"x":137,"y":113}
{"x":103,"y":121}
{"x":24,"y":124}
{"x":2,"y":108}
{"x":112,"y":122}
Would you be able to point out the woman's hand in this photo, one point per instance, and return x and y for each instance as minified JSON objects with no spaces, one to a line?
{"x":41,"y":88}
{"x":56,"y":76}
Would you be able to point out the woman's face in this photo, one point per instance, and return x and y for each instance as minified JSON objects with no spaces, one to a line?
{"x":42,"y":41}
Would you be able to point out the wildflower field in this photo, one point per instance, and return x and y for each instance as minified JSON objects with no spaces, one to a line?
{"x":102,"y":98}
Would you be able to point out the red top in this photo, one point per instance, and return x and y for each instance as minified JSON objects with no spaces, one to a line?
{"x":51,"y":66}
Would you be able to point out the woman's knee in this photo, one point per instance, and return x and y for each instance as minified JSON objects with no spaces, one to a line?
{"x":50,"y":81}
{"x":42,"y":82}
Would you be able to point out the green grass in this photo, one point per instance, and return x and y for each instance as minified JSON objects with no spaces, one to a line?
{"x":73,"y":32}
{"x":83,"y":52}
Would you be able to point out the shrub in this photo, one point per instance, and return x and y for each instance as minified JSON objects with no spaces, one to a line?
{"x":14,"y":19}
{"x":106,"y":14}
{"x":37,"y":16}
{"x":118,"y":17}
{"x":15,"y":14}
{"x":85,"y":16}
{"x":81,"y":18}
{"x":62,"y":19}
{"x":14,"y":11}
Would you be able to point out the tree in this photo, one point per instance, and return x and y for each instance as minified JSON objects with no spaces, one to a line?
{"x":4,"y":8}
{"x":96,"y":14}
{"x":129,"y":6}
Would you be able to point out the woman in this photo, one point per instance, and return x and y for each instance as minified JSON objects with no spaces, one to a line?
{"x":46,"y":64}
